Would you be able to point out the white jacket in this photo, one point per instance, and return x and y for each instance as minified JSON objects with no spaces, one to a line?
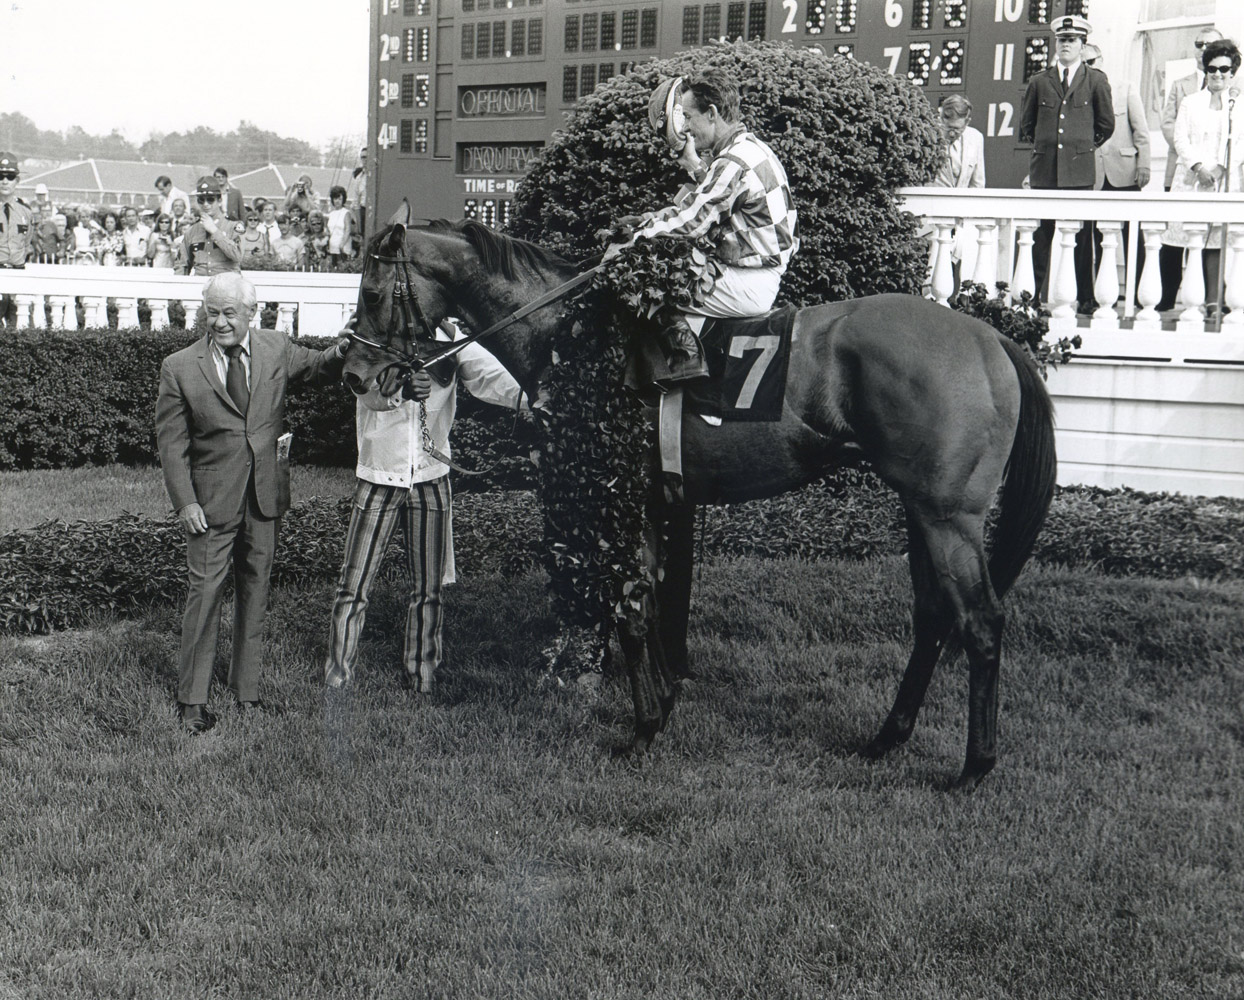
{"x":390,"y":434}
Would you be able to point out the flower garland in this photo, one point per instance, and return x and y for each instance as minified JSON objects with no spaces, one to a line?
{"x":596,"y":460}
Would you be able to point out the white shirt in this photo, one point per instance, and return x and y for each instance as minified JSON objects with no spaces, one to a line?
{"x":222,"y":359}
{"x":174,"y":193}
{"x":390,"y":432}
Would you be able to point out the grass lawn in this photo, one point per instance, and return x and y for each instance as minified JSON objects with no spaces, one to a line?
{"x":485,"y":842}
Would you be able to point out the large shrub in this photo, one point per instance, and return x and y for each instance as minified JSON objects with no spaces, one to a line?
{"x":847,"y":133}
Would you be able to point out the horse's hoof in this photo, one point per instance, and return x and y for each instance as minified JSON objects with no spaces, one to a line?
{"x":636,"y":748}
{"x":882,"y":744}
{"x":973,"y":772}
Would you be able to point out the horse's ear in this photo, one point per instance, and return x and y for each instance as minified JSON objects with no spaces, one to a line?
{"x":402,"y":216}
{"x":394,"y":242}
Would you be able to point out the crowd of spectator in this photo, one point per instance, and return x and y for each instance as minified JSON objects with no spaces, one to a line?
{"x":292,"y":232}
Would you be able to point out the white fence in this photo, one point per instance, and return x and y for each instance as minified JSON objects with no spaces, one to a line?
{"x":322,"y":301}
{"x":1149,"y":404}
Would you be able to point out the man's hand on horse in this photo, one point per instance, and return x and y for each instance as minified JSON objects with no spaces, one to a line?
{"x":192,"y":519}
{"x":417,"y":385}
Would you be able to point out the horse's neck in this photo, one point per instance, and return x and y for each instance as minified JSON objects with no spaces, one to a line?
{"x":523,"y":347}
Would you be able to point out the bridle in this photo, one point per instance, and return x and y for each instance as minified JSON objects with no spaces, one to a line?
{"x":409,"y":311}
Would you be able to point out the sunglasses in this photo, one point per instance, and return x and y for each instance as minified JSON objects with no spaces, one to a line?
{"x":208,"y":198}
{"x":1201,"y":45}
{"x":1224,"y":70}
{"x":1090,"y":62}
{"x":6,"y":175}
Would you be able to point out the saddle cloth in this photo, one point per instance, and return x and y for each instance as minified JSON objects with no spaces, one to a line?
{"x":747,"y":361}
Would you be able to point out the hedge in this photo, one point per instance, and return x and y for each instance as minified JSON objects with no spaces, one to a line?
{"x":55,"y":575}
{"x":88,"y":398}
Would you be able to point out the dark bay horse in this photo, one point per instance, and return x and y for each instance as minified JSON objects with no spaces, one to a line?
{"x":944,"y":408}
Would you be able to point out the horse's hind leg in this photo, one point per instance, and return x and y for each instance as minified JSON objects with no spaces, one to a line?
{"x":932,"y":623}
{"x":957,"y":555}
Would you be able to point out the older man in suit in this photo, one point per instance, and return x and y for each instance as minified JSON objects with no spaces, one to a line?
{"x":1171,"y":258}
{"x":219,"y":414}
{"x":1067,"y":112}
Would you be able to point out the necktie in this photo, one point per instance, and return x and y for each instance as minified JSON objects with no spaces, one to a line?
{"x":6,"y":211}
{"x":1066,"y":84}
{"x":235,"y":381}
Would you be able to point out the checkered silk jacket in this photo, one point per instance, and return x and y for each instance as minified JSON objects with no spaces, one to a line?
{"x":745,"y":191}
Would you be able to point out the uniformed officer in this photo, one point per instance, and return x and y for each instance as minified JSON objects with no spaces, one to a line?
{"x":1066,"y":114}
{"x":16,"y":231}
{"x":211,"y":244}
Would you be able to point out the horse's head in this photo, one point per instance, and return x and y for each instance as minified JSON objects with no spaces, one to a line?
{"x":399,"y":304}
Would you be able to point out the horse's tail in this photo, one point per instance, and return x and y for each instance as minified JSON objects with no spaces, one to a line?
{"x":1030,"y":475}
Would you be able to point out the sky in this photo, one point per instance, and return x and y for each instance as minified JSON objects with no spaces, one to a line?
{"x":294,"y":67}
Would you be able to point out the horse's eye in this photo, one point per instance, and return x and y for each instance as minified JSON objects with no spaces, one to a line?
{"x":371,"y":298}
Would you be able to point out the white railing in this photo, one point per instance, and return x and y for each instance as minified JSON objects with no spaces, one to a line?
{"x":45,"y":294}
{"x":1149,"y":402}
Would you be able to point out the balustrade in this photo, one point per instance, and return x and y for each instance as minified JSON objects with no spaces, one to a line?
{"x":1005,"y":222}
{"x":46,"y":294}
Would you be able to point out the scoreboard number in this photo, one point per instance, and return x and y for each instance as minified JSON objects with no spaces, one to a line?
{"x":1003,"y":61}
{"x":893,"y":13}
{"x":996,"y":128}
{"x":1008,"y":9}
{"x":390,"y":47}
{"x":387,"y":136}
{"x":792,"y":8}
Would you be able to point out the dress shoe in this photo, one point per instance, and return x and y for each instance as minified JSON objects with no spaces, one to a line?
{"x":196,"y":719}
{"x":247,"y":707}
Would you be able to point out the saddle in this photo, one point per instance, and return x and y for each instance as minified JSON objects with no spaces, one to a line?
{"x":748,"y":359}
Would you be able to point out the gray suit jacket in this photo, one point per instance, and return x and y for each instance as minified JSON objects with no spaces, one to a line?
{"x":1127,"y":150}
{"x":208,"y":446}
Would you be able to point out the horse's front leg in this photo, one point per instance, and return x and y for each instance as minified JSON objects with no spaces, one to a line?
{"x":653,"y":691}
{"x":674,"y":587}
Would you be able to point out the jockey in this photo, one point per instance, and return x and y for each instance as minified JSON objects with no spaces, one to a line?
{"x":740,"y":194}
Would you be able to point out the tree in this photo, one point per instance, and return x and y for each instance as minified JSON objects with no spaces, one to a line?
{"x":848,"y":134}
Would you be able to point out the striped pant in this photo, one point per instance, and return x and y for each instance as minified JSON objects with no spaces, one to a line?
{"x":423,"y":511}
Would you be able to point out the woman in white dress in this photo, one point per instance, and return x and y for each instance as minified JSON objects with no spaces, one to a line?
{"x":1207,"y":119}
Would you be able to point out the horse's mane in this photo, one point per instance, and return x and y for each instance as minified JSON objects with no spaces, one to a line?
{"x":498,"y":252}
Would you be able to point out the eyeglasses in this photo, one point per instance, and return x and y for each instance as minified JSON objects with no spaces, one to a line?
{"x":6,"y":175}
{"x":205,"y":199}
{"x":1224,"y":70}
{"x":1201,"y":45}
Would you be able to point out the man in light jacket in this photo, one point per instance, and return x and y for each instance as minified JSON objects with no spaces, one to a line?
{"x":403,"y":476}
{"x":1123,"y":159}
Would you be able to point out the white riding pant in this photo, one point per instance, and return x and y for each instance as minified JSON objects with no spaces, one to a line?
{"x":740,"y":291}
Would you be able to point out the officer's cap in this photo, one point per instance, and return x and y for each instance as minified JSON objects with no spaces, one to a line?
{"x":8,"y":161}
{"x":1071,"y":25}
{"x":207,"y":185}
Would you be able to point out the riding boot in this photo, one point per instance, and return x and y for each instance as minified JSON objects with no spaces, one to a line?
{"x":684,"y":352}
